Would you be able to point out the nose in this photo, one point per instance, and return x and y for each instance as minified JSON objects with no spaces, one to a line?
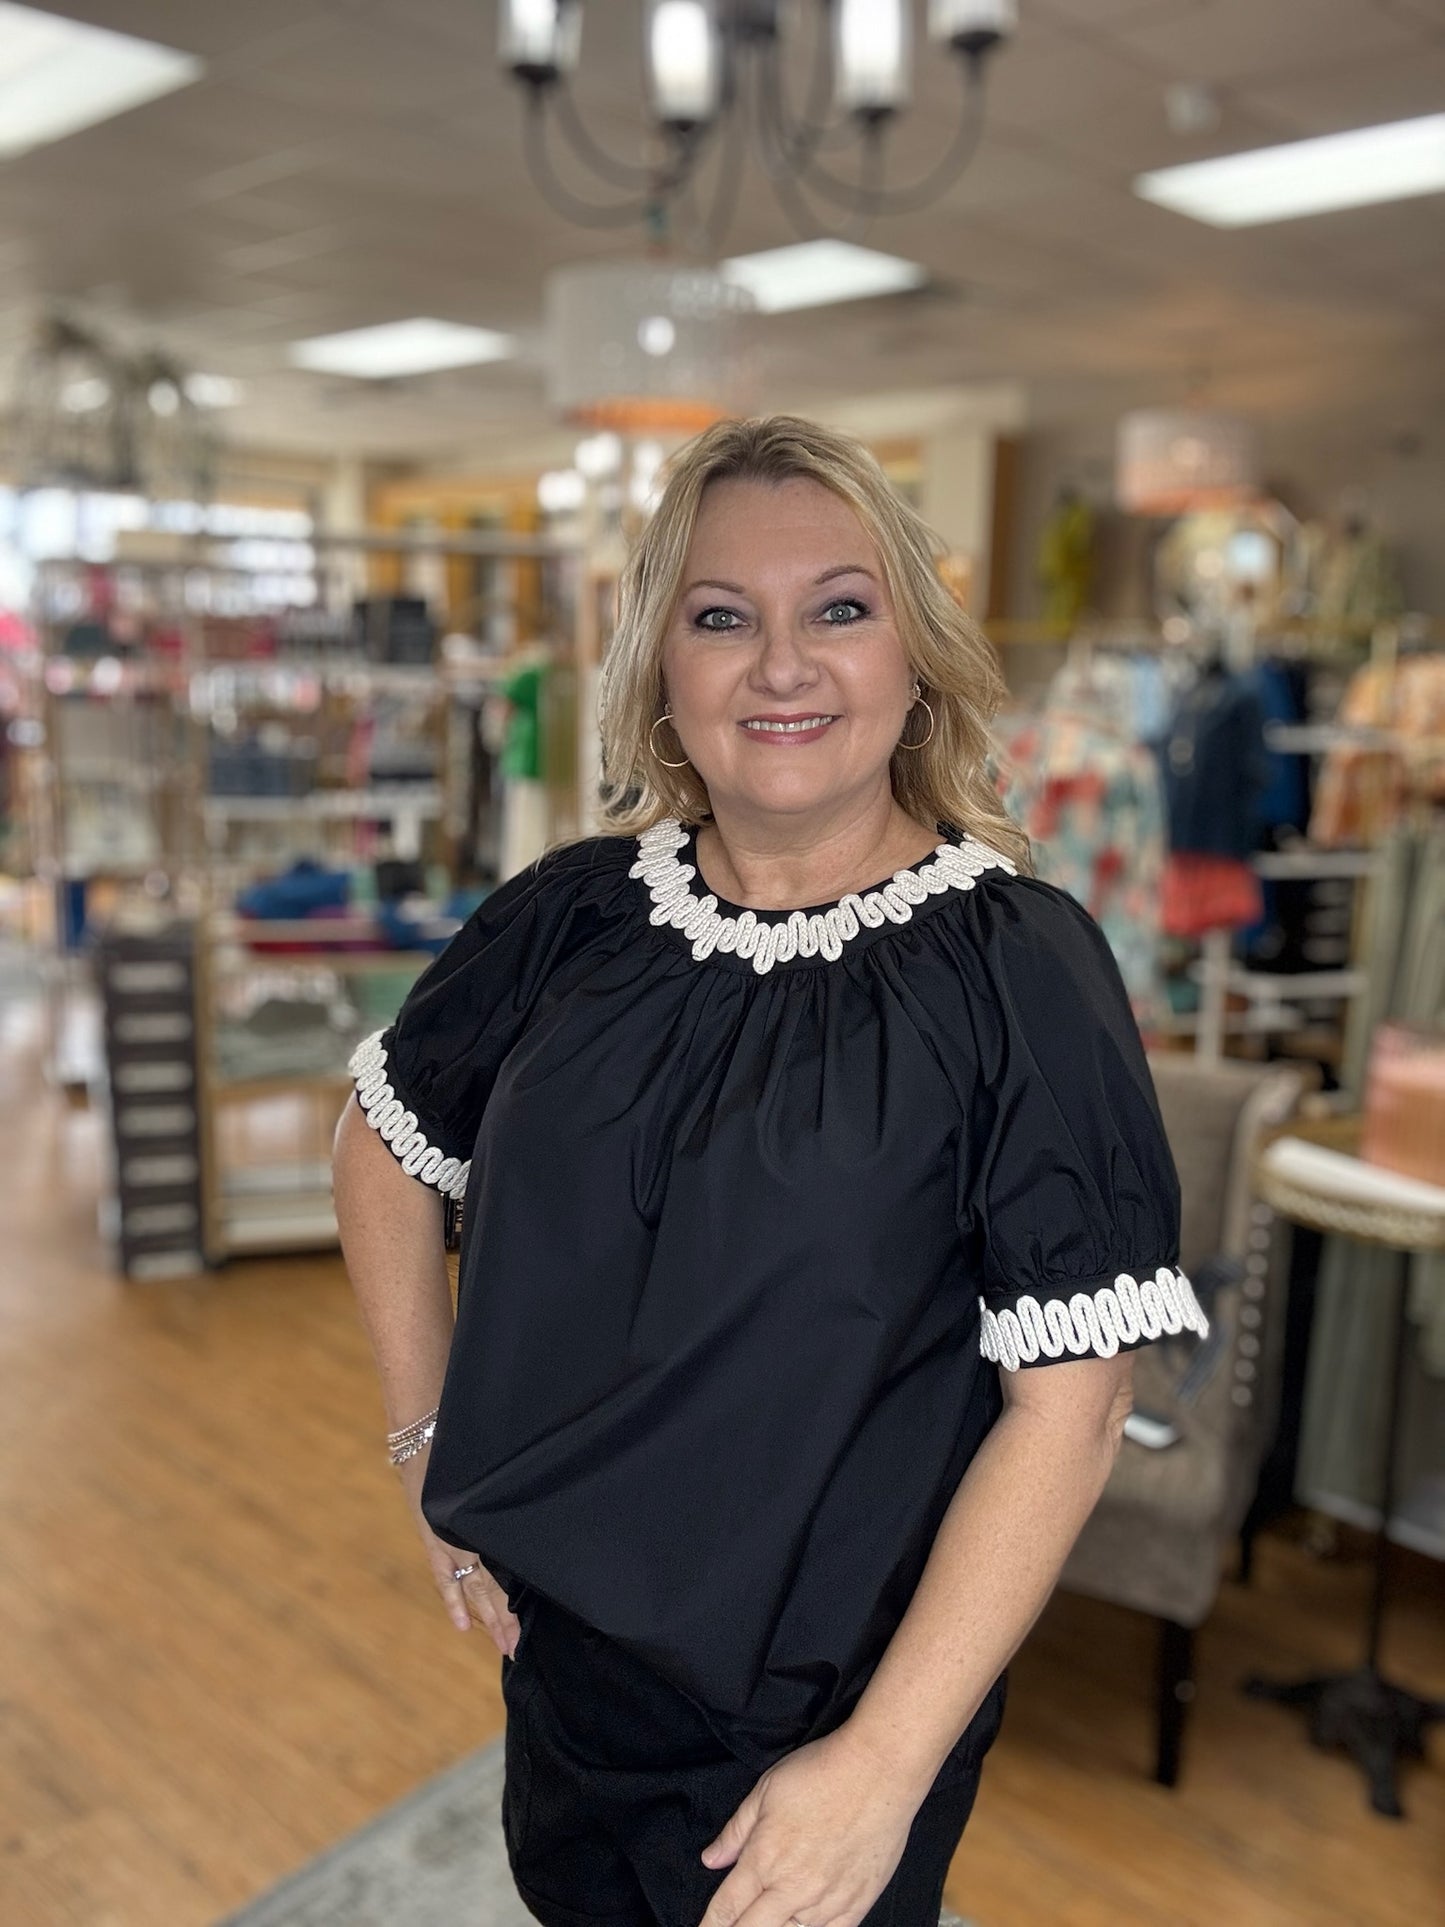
{"x":783,"y":661}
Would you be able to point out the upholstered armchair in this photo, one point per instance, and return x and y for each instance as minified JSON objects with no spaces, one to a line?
{"x":1157,"y":1539}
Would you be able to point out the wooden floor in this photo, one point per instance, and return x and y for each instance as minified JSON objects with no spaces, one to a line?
{"x":219,"y":1650}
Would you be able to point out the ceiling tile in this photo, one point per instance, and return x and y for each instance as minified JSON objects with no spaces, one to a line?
{"x":211,"y":30}
{"x":1359,"y":93}
{"x":1093,"y":14}
{"x":1245,"y":40}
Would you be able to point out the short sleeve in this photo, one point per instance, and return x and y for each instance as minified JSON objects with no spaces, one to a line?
{"x":424,"y":1081}
{"x":1075,"y":1196}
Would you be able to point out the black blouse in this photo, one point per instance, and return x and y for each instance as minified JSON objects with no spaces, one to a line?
{"x":756,"y":1206}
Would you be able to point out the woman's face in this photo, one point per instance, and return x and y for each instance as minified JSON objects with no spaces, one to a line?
{"x":784,"y":619}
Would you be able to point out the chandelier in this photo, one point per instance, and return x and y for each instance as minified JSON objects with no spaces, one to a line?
{"x":715,"y":70}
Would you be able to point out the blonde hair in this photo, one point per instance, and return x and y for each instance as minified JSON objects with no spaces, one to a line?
{"x":947,"y":780}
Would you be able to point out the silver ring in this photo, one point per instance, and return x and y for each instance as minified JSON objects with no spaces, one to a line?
{"x":460,"y":1572}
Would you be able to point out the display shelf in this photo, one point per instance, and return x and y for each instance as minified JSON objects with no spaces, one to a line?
{"x":343,"y":963}
{"x":1298,"y":983}
{"x":1316,"y":739}
{"x":284,"y":1207}
{"x":346,"y":673}
{"x":281,"y":1202}
{"x":418,"y":800}
{"x":254,"y":1090}
{"x":211,"y":668}
{"x":1279,"y":866}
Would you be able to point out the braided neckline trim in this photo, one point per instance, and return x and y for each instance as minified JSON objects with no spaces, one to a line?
{"x":397,"y":1126}
{"x":1096,"y":1322}
{"x":820,"y":933}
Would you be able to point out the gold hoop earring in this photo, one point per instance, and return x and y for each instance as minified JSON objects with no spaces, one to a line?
{"x":929,"y":737}
{"x":666,"y":717}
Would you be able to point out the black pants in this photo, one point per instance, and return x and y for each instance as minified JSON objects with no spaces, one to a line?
{"x":615,"y":1784}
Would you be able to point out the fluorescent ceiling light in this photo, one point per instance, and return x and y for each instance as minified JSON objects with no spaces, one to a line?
{"x":401,"y":348}
{"x":1357,"y":169}
{"x":811,"y":274}
{"x":57,"y":76}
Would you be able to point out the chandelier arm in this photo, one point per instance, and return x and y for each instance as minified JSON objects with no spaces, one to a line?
{"x":584,"y":145}
{"x":706,"y":231}
{"x":809,"y":224}
{"x":772,"y":143}
{"x":780,"y":165}
{"x":809,"y":132}
{"x":921,"y":193}
{"x":561,"y":199}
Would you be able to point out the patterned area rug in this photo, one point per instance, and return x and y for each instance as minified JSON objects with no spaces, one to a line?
{"x":435,"y":1859}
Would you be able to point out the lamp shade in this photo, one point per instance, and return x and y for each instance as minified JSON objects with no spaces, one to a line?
{"x":684,"y":61}
{"x":871,"y":53}
{"x":539,"y":39}
{"x":1172,"y":461}
{"x":645,"y":344}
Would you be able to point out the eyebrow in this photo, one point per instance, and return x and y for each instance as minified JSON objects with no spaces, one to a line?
{"x":736,"y":588}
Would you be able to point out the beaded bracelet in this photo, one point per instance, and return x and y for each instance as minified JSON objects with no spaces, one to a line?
{"x":406,"y":1443}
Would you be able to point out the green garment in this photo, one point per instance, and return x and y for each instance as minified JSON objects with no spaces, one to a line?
{"x":522,"y":747}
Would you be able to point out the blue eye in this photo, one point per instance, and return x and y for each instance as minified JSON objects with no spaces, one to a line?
{"x":700,"y":620}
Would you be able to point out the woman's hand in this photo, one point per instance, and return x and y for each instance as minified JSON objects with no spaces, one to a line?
{"x":818,"y":1837}
{"x":478,"y":1596}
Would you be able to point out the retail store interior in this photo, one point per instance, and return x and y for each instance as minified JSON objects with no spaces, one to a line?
{"x":343,"y":345}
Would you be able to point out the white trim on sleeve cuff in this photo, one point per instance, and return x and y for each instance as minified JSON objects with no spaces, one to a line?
{"x":1096,"y":1322}
{"x":386,"y":1114}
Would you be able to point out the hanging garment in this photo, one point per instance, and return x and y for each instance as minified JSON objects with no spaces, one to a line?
{"x":1215,"y":767}
{"x":1088,"y":793}
{"x":1203,"y":893}
{"x":524,"y":691}
{"x":1283,"y":803}
{"x":1156,"y":684}
{"x":1363,"y":788}
{"x":526,"y":803}
{"x":526,"y":824}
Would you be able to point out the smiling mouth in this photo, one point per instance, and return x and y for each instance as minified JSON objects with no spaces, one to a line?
{"x":795,"y":727}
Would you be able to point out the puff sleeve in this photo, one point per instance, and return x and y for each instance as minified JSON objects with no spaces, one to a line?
{"x":424,"y":1080}
{"x":1075,"y":1196}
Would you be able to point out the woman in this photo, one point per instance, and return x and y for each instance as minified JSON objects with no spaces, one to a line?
{"x":777,"y":1178}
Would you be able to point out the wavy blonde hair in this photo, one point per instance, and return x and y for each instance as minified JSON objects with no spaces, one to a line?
{"x":947,"y":780}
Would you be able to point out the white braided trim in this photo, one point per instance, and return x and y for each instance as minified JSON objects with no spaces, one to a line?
{"x":1092,"y":1321}
{"x":954,"y":866}
{"x":386,"y":1114}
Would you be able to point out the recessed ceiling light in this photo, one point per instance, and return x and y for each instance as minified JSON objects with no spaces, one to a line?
{"x":57,"y":76}
{"x":415,"y":347}
{"x":811,"y":274}
{"x":213,"y":391}
{"x":1357,"y":169}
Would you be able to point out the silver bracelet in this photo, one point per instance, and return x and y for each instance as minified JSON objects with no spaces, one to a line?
{"x":410,"y":1439}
